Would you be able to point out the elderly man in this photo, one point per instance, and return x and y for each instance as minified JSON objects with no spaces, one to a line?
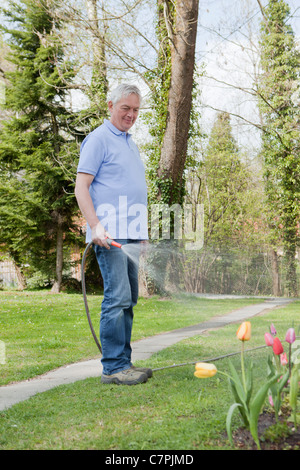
{"x":112,"y":196}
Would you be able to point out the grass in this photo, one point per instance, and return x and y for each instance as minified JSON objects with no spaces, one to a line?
{"x":172,"y":411}
{"x":42,"y":331}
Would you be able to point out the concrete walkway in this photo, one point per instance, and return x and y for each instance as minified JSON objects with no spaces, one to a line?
{"x":142,"y":349}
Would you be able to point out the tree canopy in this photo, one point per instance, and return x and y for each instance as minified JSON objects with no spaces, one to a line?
{"x":59,"y":53}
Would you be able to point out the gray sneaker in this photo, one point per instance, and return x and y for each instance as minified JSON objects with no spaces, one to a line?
{"x":125,"y":377}
{"x":146,"y":370}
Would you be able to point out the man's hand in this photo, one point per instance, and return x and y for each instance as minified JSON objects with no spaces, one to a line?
{"x":99,"y":235}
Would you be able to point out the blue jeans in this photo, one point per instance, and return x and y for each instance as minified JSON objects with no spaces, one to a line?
{"x":120,"y":279}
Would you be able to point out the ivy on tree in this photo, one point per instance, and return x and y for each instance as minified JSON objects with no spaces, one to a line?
{"x":280,"y":64}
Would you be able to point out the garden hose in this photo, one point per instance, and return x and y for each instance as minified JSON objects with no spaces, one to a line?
{"x":83,"y":262}
{"x":84,"y":295}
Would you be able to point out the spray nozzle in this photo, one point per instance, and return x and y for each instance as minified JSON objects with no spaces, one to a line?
{"x":113,"y":243}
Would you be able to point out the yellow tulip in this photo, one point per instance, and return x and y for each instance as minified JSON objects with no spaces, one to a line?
{"x":244,"y":331}
{"x":204,"y":370}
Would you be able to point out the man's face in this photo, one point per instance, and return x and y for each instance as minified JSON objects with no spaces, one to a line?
{"x":125,"y":112}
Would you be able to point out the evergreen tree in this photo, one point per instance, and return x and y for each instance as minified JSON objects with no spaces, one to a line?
{"x":224,"y":181}
{"x":224,"y":185}
{"x":38,"y":145}
{"x":97,"y":110}
{"x":280,"y":63}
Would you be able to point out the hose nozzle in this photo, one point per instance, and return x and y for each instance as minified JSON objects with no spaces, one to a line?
{"x":113,"y":243}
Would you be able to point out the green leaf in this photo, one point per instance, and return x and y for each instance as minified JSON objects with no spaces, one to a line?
{"x":272,"y":370}
{"x":256,"y":405}
{"x":238,"y":384}
{"x":294,"y":387}
{"x":228,"y":421}
{"x":243,"y":409}
{"x":282,"y":382}
{"x":249,"y":383}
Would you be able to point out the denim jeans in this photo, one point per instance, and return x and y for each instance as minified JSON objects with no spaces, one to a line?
{"x":120,"y":279}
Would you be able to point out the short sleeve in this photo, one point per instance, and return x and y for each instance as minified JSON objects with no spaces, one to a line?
{"x":91,"y":155}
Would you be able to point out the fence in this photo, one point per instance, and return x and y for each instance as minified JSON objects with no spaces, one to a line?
{"x":8,"y":274}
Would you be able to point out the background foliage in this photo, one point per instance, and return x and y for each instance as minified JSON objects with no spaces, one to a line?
{"x":56,"y":92}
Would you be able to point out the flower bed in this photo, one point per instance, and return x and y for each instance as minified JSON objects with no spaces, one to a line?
{"x":281,"y":386}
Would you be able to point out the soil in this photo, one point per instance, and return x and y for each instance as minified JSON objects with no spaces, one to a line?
{"x":272,"y":436}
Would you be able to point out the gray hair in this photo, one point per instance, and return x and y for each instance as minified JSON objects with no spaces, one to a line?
{"x":123,"y":90}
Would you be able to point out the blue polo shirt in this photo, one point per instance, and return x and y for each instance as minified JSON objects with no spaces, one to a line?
{"x":118,"y":190}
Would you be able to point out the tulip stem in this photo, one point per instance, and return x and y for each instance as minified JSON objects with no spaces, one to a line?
{"x":243,"y":366}
{"x":226,"y":375}
{"x":277,"y":362}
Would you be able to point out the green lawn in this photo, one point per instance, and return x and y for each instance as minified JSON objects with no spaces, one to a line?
{"x":173,"y":411}
{"x":42,"y":331}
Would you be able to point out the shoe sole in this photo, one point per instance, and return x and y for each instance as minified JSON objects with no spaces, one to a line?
{"x":115,"y":380}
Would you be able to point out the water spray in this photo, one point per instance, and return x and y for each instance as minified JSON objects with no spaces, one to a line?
{"x":118,"y":245}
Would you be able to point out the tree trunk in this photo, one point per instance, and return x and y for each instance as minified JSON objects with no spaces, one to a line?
{"x":291,"y":274}
{"x":174,"y":147}
{"x":275,"y":273}
{"x":20,"y":277}
{"x":59,"y":257}
{"x":99,"y":82}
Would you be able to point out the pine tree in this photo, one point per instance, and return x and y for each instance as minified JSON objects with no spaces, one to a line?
{"x":280,"y":63}
{"x":224,"y":180}
{"x":224,"y":185}
{"x":38,"y":144}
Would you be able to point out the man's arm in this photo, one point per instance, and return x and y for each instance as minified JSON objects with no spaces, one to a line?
{"x":85,"y":203}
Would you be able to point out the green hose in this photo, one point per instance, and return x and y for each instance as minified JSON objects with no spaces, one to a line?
{"x":84,"y":295}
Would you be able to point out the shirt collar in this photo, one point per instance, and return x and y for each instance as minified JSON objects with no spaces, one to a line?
{"x":114,"y":129}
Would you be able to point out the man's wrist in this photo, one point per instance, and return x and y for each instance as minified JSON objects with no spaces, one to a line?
{"x":94,"y":224}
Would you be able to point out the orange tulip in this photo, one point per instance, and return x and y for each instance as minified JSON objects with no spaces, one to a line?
{"x":204,"y":370}
{"x":244,"y":331}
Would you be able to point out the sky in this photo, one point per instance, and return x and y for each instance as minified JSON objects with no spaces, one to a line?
{"x":225,"y":30}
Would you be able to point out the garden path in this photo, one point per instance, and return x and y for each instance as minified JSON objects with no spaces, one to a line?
{"x":142,"y":349}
